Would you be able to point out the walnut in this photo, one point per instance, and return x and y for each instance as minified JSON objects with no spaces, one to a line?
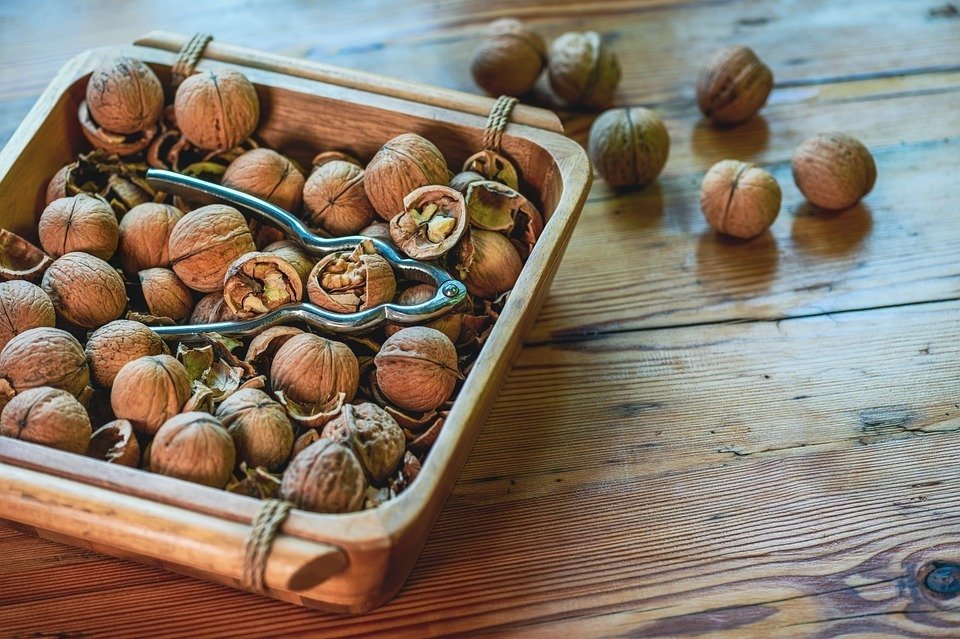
{"x":261,"y":431}
{"x":257,"y":283}
{"x":432,"y":222}
{"x":403,"y":164}
{"x":294,"y":255}
{"x":44,"y":357}
{"x":144,"y":236}
{"x":417,"y":368}
{"x":509,"y":59}
{"x":462,"y":181}
{"x":165,"y":294}
{"x":834,"y":170}
{"x":267,"y":175}
{"x":326,"y":477}
{"x":21,"y":260}
{"x":739,"y":199}
{"x":79,"y":223}
{"x":492,"y":166}
{"x":334,"y":198}
{"x":212,"y":308}
{"x":379,"y":230}
{"x":733,"y":85}
{"x":125,"y":96}
{"x":266,"y":344}
{"x":149,"y":390}
{"x":583,"y":71}
{"x":47,"y":416}
{"x":350,"y":282}
{"x":115,"y":443}
{"x":629,"y":146}
{"x":204,"y":244}
{"x":310,"y":369}
{"x":113,"y":345}
{"x":217,"y":110}
{"x":448,"y":324}
{"x":195,"y":447}
{"x":85,"y":290}
{"x":23,"y":306}
{"x":495,"y":266}
{"x":114,"y":143}
{"x":375,"y":437}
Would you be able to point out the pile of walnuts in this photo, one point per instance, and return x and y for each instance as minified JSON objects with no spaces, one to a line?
{"x":333,"y":425}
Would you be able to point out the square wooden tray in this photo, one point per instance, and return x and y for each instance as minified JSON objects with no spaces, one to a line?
{"x":345,"y":563}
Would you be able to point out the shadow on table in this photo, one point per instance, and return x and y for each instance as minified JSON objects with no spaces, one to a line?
{"x":736,"y":269}
{"x":742,"y":142}
{"x":830,"y":234}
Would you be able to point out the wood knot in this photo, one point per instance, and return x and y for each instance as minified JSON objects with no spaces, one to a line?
{"x":944,"y":579}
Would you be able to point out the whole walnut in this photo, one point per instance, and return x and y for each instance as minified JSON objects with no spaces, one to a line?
{"x":165,"y":294}
{"x":266,"y":174}
{"x":44,"y":357}
{"x":23,"y":306}
{"x":217,"y":110}
{"x":310,"y":369}
{"x":417,"y":368}
{"x":149,"y":390}
{"x":403,"y":164}
{"x":495,"y":267}
{"x":509,"y":59}
{"x":79,"y":223}
{"x":212,"y":308}
{"x":834,"y":170}
{"x":262,"y":433}
{"x":739,"y":199}
{"x":375,"y":437}
{"x":47,"y":416}
{"x":113,"y":345}
{"x":85,"y":290}
{"x":629,"y":146}
{"x":326,"y":477}
{"x":115,"y":443}
{"x":204,"y":244}
{"x":195,"y":447}
{"x":334,"y":199}
{"x":144,"y":236}
{"x":257,"y":283}
{"x":351,"y":282}
{"x":124,"y":96}
{"x":733,"y":85}
{"x":449,"y":324}
{"x":583,"y":70}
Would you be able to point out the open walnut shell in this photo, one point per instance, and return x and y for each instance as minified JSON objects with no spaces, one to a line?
{"x":433,"y":221}
{"x":294,"y":254}
{"x":115,"y":443}
{"x":258,"y":283}
{"x":493,"y":166}
{"x":495,"y":207}
{"x":21,"y":260}
{"x":212,"y":308}
{"x":120,"y":143}
{"x":350,"y":282}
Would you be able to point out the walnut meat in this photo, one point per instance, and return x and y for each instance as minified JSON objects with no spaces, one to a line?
{"x":448,"y":324}
{"x":144,"y":236}
{"x":351,"y":282}
{"x":310,"y":369}
{"x":44,"y":357}
{"x":47,"y":416}
{"x":509,"y":59}
{"x":403,"y":164}
{"x":495,"y":267}
{"x":834,"y":170}
{"x":266,"y":174}
{"x":85,"y":290}
{"x":113,"y":345}
{"x":261,"y":431}
{"x":583,"y":70}
{"x":115,"y":443}
{"x":149,"y":390}
{"x":433,"y":220}
{"x":417,"y":368}
{"x":125,"y":96}
{"x":195,"y":447}
{"x":326,"y":477}
{"x":204,"y":244}
{"x":217,"y":110}
{"x":258,"y":283}
{"x":79,"y":223}
{"x":334,"y":198}
{"x":23,"y":306}
{"x":374,"y":436}
{"x":629,"y":146}
{"x":733,"y":85}
{"x":739,"y":199}
{"x":165,"y":294}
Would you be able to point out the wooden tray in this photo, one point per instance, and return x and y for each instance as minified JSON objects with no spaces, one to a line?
{"x":345,"y":563}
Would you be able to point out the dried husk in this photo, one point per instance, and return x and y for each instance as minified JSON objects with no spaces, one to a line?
{"x":44,"y":357}
{"x":115,"y":443}
{"x":165,"y":294}
{"x":834,"y":170}
{"x":350,"y":282}
{"x":334,"y":198}
{"x":433,"y":220}
{"x":85,"y":290}
{"x":23,"y":306}
{"x":208,"y":368}
{"x":257,"y":283}
{"x":583,"y":70}
{"x":216,"y":110}
{"x":448,"y":324}
{"x":374,"y":436}
{"x":491,"y":166}
{"x":509,"y":59}
{"x":79,"y":223}
{"x":21,"y":260}
{"x":266,"y":174}
{"x":629,"y":146}
{"x":494,"y":266}
{"x":119,"y":181}
{"x":204,"y":244}
{"x":326,"y":477}
{"x":113,"y":345}
{"x":405,"y":163}
{"x":144,"y":236}
{"x":739,"y":198}
{"x":310,"y":369}
{"x":733,"y":85}
{"x":195,"y":447}
{"x":261,"y":431}
{"x":417,"y":368}
{"x":124,"y":95}
{"x":47,"y":416}
{"x":149,"y":390}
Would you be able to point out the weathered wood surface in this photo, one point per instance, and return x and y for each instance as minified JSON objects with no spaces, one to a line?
{"x":667,"y":458}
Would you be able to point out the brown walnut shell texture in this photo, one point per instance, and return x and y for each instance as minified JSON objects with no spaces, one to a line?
{"x":45,"y":357}
{"x":212,"y":308}
{"x":217,"y":110}
{"x":335,"y":200}
{"x":629,"y":146}
{"x":326,"y":477}
{"x":262,"y":433}
{"x":23,"y":306}
{"x":375,"y":437}
{"x":294,"y":255}
{"x":462,"y":181}
{"x":195,"y":447}
{"x":150,"y":390}
{"x":449,"y":324}
{"x":85,"y":290}
{"x":144,"y":236}
{"x":257,"y":283}
{"x":402,"y":165}
{"x":491,"y":166}
{"x":125,"y":96}
{"x":583,"y":70}
{"x":509,"y":59}
{"x":115,"y":443}
{"x":79,"y":223}
{"x":733,"y":86}
{"x":351,"y":282}
{"x":21,"y":260}
{"x":413,"y":236}
{"x":310,"y":369}
{"x":739,"y":199}
{"x":266,"y":174}
{"x":165,"y":294}
{"x":122,"y":144}
{"x":114,"y":345}
{"x":204,"y":244}
{"x":47,"y":416}
{"x":417,"y":368}
{"x":495,"y":267}
{"x":834,"y":170}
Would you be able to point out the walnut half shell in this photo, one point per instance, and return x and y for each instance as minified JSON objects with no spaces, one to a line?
{"x":258,"y":283}
{"x":432,"y":222}
{"x":351,"y":282}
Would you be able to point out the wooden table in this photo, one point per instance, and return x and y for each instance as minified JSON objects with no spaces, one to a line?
{"x":702,"y":437}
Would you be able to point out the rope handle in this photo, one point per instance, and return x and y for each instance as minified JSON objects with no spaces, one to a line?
{"x":189,"y":56}
{"x":497,"y":122}
{"x":256,"y":547}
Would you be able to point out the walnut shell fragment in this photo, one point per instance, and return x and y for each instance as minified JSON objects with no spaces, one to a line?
{"x":583,"y":70}
{"x":204,"y":244}
{"x":115,"y":443}
{"x":834,"y":170}
{"x":85,"y":290}
{"x":257,"y":283}
{"x":261,"y":431}
{"x":122,"y":144}
{"x":310,"y":369}
{"x":733,"y":85}
{"x":266,"y":344}
{"x":21,"y":260}
{"x":195,"y":447}
{"x":494,"y":267}
{"x":326,"y":477}
{"x":79,"y":223}
{"x":23,"y":306}
{"x":294,"y":255}
{"x":47,"y":416}
{"x":350,"y":282}
{"x":496,"y":207}
{"x":144,"y":236}
{"x":739,"y":199}
{"x":266,"y":174}
{"x":492,"y":166}
{"x":44,"y":357}
{"x":374,"y":436}
{"x":165,"y":294}
{"x":433,"y":220}
{"x":405,"y":163}
{"x":212,"y":308}
{"x":149,"y":390}
{"x":216,"y":110}
{"x":417,"y":368}
{"x":113,"y":345}
{"x":335,"y":200}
